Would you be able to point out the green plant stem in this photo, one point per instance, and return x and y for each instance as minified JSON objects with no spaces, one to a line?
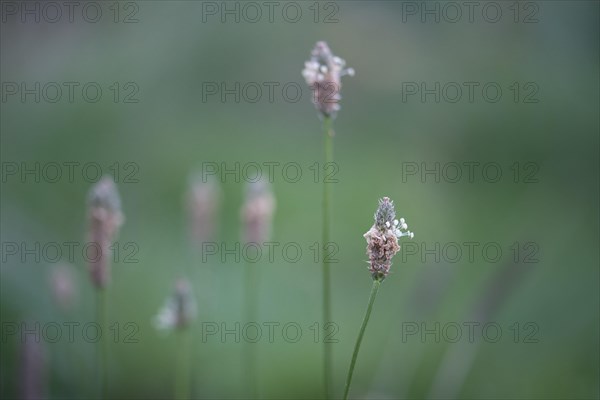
{"x":328,"y":144}
{"x":251,"y":284}
{"x":361,"y":333}
{"x":183,"y":370}
{"x":102,"y":349}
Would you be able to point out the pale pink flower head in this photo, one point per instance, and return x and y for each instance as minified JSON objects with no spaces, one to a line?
{"x":203,"y":205}
{"x":63,"y":285}
{"x":257,"y":212}
{"x":105,"y":219}
{"x":323,"y":73}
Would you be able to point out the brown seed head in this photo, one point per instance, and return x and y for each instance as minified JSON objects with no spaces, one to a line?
{"x":382,"y":239}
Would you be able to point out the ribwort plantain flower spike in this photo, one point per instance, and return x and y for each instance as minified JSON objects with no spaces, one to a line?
{"x":256,"y":216}
{"x":382,"y":238}
{"x":323,"y":73}
{"x":106,"y":217}
{"x":382,"y":245}
{"x":179,"y":311}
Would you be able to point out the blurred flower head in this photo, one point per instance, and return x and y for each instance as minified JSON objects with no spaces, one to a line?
{"x":105,"y":219}
{"x":323,"y":73}
{"x":64,"y":288}
{"x":257,"y":212}
{"x":202,"y":203}
{"x":179,"y":309}
{"x":382,"y":239}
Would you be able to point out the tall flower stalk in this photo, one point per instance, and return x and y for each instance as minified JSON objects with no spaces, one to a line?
{"x":178,"y":313}
{"x":202,"y":202}
{"x":105,"y":219}
{"x":323,"y":73}
{"x":382,"y":245}
{"x":327,"y":356}
{"x":257,"y":215}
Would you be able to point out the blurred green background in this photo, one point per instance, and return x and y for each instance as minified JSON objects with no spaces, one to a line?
{"x":170,"y":52}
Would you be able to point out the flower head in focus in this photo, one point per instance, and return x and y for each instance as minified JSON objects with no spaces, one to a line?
{"x":382,"y":238}
{"x":323,"y":73}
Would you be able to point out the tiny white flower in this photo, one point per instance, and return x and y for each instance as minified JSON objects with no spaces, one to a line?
{"x":178,"y":310}
{"x":387,"y":224}
{"x":404,"y":226}
{"x":395,"y":222}
{"x":166,"y":318}
{"x":402,"y":220}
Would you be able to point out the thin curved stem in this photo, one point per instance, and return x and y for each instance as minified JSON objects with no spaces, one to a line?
{"x":361,"y":333}
{"x":328,"y":144}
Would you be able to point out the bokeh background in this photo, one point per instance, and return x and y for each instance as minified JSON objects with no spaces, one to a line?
{"x":170,"y":52}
